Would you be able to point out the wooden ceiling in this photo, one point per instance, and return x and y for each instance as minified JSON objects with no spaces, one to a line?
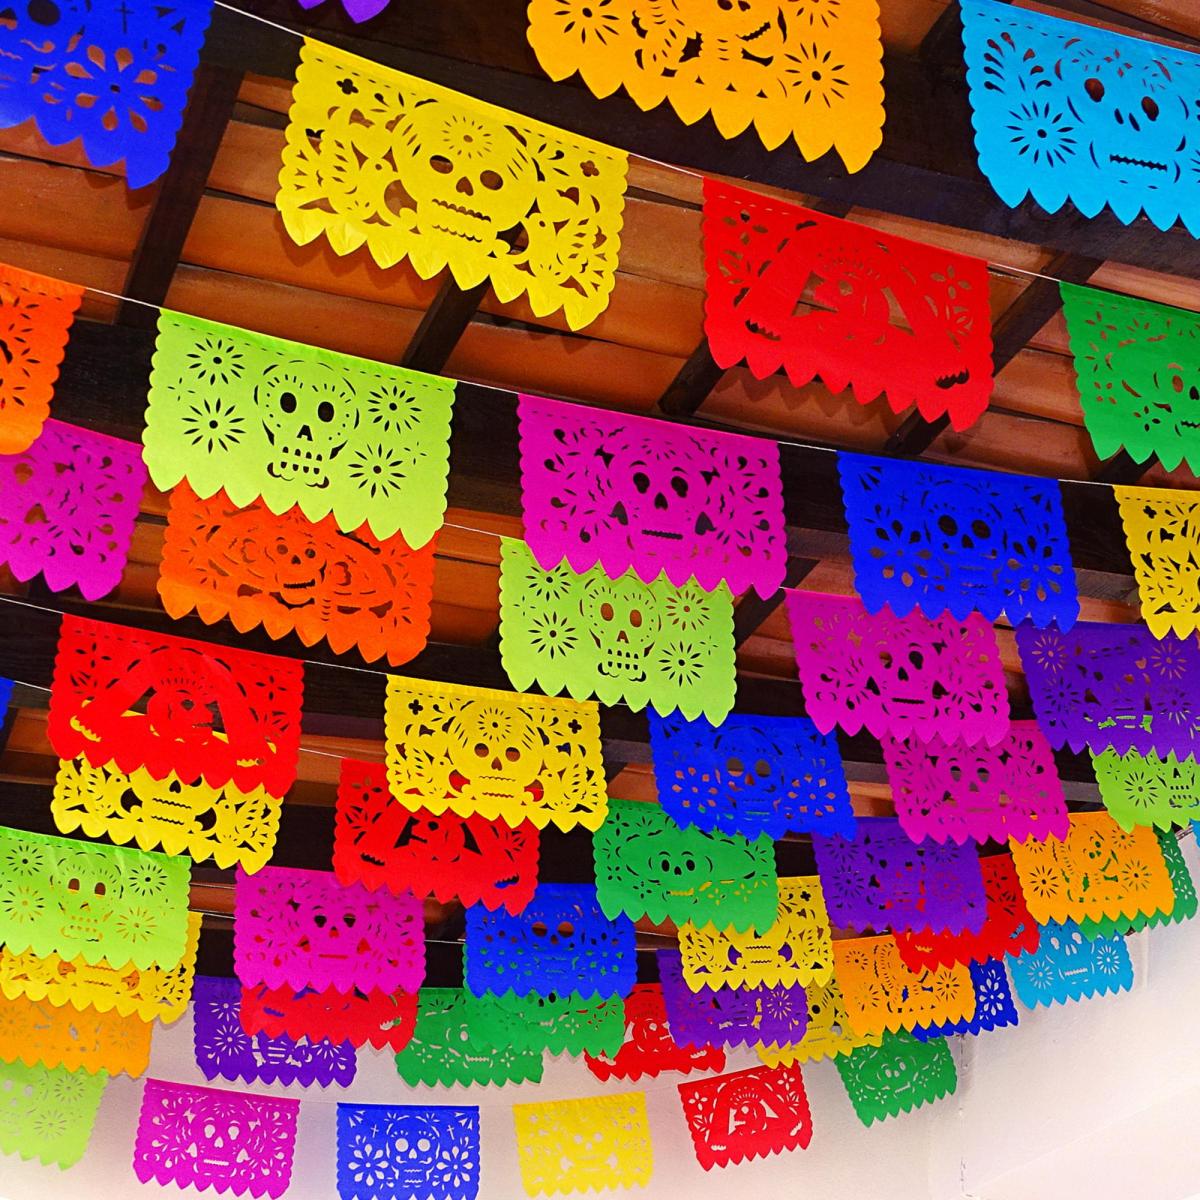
{"x":206,"y":240}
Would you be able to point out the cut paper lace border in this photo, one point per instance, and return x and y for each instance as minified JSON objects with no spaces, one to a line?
{"x":1069,"y":966}
{"x":898,"y":1075}
{"x":47,"y":1113}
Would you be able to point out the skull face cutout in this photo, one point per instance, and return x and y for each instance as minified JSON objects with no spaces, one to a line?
{"x":1070,"y":950}
{"x":332,"y":930}
{"x":308,"y":414}
{"x":225,"y":1141}
{"x":496,"y":755}
{"x":472,"y":181}
{"x":623,"y":621}
{"x":740,"y":41}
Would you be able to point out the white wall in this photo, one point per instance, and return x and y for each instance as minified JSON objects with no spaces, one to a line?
{"x":1099,"y":1099}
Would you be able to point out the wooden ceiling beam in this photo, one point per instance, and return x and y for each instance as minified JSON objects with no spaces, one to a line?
{"x":443,"y":323}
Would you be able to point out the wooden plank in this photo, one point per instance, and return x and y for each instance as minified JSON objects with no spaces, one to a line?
{"x":443,"y":324}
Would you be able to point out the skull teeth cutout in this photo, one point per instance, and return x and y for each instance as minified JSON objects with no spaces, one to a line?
{"x":624,"y":623}
{"x":308,"y":417}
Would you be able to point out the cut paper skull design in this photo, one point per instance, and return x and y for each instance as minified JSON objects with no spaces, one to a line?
{"x":1070,"y":966}
{"x":381,"y":1019}
{"x":47,"y":1113}
{"x":897,"y":1075}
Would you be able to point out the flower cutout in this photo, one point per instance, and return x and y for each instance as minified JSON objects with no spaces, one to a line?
{"x":212,"y":423}
{"x":215,"y":361}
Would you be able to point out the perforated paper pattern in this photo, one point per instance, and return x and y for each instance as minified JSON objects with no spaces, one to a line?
{"x":748,"y":1114}
{"x":113,"y":77}
{"x":648,"y":1048}
{"x":68,"y":506}
{"x":616,"y":639}
{"x":207,"y":1137}
{"x":560,"y":1024}
{"x":1114,"y":685}
{"x":1007,"y":929}
{"x":223,"y":824}
{"x":497,"y":755}
{"x":36,"y":313}
{"x":580,"y":1145}
{"x":384,"y":1020}
{"x":1146,"y":789}
{"x":951,"y":792}
{"x":303,"y":929}
{"x":750,"y":775}
{"x":994,"y":1007}
{"x":225,"y":1050}
{"x":881,"y":993}
{"x":625,"y":492}
{"x":729,"y":1016}
{"x":884,"y":880}
{"x":1064,"y":111}
{"x":386,"y":1152}
{"x":1099,"y":870}
{"x":1070,"y":966}
{"x":829,"y":1031}
{"x":47,"y":1113}
{"x":1162,"y":533}
{"x":789,"y":288}
{"x":211,"y":713}
{"x":948,"y":539}
{"x":380,"y":843}
{"x":647,"y":866}
{"x":292,"y":575}
{"x":901,"y":676}
{"x":1137,"y":367}
{"x":1185,"y":905}
{"x":795,"y":950}
{"x":414,"y":171}
{"x":153,"y":994}
{"x":447,"y":1049}
{"x":812,"y":73}
{"x":98,"y":903}
{"x":560,"y":943}
{"x":899,"y":1075}
{"x":36,"y":1032}
{"x":290,"y":424}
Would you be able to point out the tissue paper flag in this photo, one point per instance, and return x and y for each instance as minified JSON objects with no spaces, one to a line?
{"x":447,"y":1050}
{"x":750,"y":775}
{"x":36,"y":313}
{"x":204,"y":1137}
{"x":829,"y":1032}
{"x":1064,"y":111}
{"x":112,"y":76}
{"x":794,"y":289}
{"x":1069,"y":966}
{"x":560,"y":943}
{"x":153,"y":994}
{"x":1146,"y":789}
{"x":647,"y":866}
{"x":98,"y":903}
{"x":227,"y":716}
{"x":379,"y":842}
{"x":633,"y":493}
{"x":493,"y":754}
{"x":1185,"y":905}
{"x":749,"y":1114}
{"x":948,"y":539}
{"x":899,"y":1075}
{"x":1100,"y":870}
{"x":292,"y":575}
{"x":577,"y":1145}
{"x":224,"y":824}
{"x":561,"y":1024}
{"x":616,"y":639}
{"x":815,"y":74}
{"x":36,"y":1032}
{"x":795,"y":950}
{"x":1007,"y":929}
{"x":883,"y":880}
{"x":881,"y":993}
{"x":408,"y":169}
{"x":1162,"y":533}
{"x":1137,"y":367}
{"x":994,"y":1008}
{"x":902,"y":676}
{"x":384,"y":1020}
{"x":1114,"y":685}
{"x":385,"y":1152}
{"x":47,"y":1113}
{"x":951,"y":792}
{"x":303,"y":929}
{"x":68,"y":506}
{"x":727,"y":1016}
{"x":648,"y":1047}
{"x":265,"y":418}
{"x":224,"y":1049}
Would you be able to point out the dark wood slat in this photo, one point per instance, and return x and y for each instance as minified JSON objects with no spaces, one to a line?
{"x":753,"y":609}
{"x":692,"y":386}
{"x":444,"y":322}
{"x":179,"y":191}
{"x":1123,"y":469}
